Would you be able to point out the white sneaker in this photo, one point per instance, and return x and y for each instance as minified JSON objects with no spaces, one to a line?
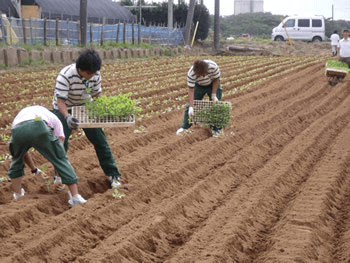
{"x":77,"y":199}
{"x":179,"y":131}
{"x":17,"y":196}
{"x":216,"y":132}
{"x":114,"y":182}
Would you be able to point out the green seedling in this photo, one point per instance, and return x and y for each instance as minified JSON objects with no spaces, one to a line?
{"x":48,"y":185}
{"x":116,"y":194}
{"x":122,"y":107}
{"x":338,"y":65}
{"x":5,"y":138}
{"x":141,"y":129}
{"x":44,"y":168}
{"x":218,"y":114}
{"x":3,"y":179}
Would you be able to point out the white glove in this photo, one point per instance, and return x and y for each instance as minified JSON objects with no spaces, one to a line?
{"x":213,"y":97}
{"x":43,"y":175}
{"x":72,"y":122}
{"x":190,"y":111}
{"x":57,"y":180}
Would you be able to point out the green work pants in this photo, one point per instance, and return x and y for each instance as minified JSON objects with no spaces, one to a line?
{"x":40,"y":136}
{"x":199,"y":93}
{"x":99,"y":140}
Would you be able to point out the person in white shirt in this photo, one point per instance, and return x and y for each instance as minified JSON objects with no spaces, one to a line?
{"x":334,"y":43}
{"x":75,"y":85}
{"x":202,"y":78}
{"x":344,"y":48}
{"x":37,"y":127}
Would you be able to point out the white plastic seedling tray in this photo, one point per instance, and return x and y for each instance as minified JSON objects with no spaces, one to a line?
{"x":87,"y":120}
{"x":335,"y":72}
{"x":202,"y":104}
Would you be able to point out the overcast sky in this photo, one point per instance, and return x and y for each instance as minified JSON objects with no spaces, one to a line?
{"x":283,"y":7}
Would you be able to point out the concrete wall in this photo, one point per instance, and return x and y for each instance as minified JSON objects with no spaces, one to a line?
{"x":13,"y":56}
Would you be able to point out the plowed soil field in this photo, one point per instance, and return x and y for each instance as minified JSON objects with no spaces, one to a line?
{"x":275,"y":187}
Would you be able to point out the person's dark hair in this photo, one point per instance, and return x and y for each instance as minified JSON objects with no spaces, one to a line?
{"x":89,"y":59}
{"x":335,"y":31}
{"x":200,"y":66}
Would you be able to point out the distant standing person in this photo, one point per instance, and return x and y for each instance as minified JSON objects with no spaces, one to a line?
{"x":37,"y":127}
{"x":334,"y":43}
{"x":344,"y":48}
{"x":75,"y":84}
{"x":202,"y":78}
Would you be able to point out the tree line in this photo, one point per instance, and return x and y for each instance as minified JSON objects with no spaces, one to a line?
{"x":159,"y":15}
{"x":255,"y":24}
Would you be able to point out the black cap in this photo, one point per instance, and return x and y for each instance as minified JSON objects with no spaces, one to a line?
{"x":346,"y":30}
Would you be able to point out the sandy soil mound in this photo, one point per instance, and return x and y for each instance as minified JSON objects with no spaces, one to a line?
{"x":254,"y":48}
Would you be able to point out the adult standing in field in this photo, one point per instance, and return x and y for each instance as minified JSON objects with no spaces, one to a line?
{"x":76,"y":84}
{"x":202,"y":78}
{"x":334,"y":43}
{"x":344,"y":48}
{"x":37,"y":127}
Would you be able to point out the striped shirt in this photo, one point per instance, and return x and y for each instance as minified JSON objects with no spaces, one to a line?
{"x":213,"y":73}
{"x":72,"y":88}
{"x":33,"y":112}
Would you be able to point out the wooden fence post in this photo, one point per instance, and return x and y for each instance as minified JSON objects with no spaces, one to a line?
{"x":124,"y":32}
{"x":67,"y":30}
{"x":24,"y":31}
{"x":103,"y":30}
{"x":117,"y":37}
{"x":57,"y":31}
{"x":139,"y":33}
{"x":91,"y":33}
{"x":31,"y":31}
{"x":45,"y":31}
{"x":9,"y":40}
{"x":79,"y":35}
{"x":150,"y":33}
{"x":133,"y":33}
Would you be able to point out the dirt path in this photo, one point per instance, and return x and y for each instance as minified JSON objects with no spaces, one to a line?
{"x":273,"y":188}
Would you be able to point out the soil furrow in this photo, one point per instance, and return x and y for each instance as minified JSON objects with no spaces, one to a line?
{"x":250,"y":213}
{"x":312,"y":215}
{"x":273,"y":188}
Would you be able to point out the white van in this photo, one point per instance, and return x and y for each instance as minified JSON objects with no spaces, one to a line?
{"x":300,"y":28}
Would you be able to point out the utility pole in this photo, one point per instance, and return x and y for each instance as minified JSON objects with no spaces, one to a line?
{"x":332,"y":13}
{"x":217,"y":24}
{"x":189,"y":22}
{"x":83,"y":21}
{"x":170,"y":14}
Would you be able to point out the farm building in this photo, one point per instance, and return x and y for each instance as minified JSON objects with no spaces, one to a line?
{"x":9,"y":7}
{"x":67,"y":9}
